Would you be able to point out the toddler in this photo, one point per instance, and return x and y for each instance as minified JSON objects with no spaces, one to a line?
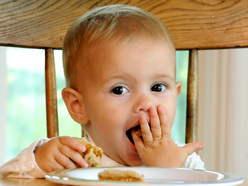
{"x":120,"y":70}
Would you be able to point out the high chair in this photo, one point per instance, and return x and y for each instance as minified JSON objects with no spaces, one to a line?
{"x":193,"y":24}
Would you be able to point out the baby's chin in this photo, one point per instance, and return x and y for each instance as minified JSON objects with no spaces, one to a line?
{"x":128,"y":160}
{"x":134,"y":162}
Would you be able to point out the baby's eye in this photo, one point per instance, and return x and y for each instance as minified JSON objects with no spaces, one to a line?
{"x":119,"y":90}
{"x":159,"y":87}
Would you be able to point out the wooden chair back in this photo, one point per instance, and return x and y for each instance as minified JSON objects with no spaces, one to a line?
{"x":194,"y":25}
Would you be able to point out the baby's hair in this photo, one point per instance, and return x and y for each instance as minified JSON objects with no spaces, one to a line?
{"x":118,"y":23}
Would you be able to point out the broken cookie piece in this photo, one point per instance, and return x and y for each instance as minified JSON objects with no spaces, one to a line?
{"x":138,"y":132}
{"x":93,"y":154}
{"x":120,"y":175}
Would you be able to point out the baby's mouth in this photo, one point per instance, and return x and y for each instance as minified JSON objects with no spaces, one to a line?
{"x":129,"y":132}
{"x":138,"y":132}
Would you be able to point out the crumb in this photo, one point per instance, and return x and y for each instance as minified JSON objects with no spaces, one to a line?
{"x":138,"y":132}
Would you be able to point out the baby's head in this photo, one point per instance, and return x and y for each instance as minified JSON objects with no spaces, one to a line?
{"x":116,"y":23}
{"x":119,"y":61}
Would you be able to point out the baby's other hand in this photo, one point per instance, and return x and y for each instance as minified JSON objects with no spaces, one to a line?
{"x":157,"y":147}
{"x":60,"y":153}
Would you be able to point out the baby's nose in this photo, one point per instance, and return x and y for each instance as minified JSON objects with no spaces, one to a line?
{"x":143,"y":103}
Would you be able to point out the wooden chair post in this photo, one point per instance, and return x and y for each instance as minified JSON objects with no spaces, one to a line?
{"x":192,"y":97}
{"x":51,"y":94}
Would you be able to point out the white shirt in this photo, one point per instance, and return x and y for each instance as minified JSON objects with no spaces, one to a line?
{"x":25,"y":166}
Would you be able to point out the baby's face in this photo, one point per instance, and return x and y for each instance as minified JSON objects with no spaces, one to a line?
{"x":121,"y":81}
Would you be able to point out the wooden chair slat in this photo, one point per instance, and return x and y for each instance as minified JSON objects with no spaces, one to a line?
{"x":192,"y":98}
{"x":51,"y":94}
{"x":192,"y":23}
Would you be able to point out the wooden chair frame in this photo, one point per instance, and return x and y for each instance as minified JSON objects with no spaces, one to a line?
{"x":194,"y":25}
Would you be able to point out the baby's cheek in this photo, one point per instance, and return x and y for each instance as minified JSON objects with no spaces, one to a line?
{"x":115,"y":115}
{"x":114,"y":111}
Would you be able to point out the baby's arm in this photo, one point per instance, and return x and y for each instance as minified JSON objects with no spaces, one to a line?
{"x":157,"y":147}
{"x":60,"y":153}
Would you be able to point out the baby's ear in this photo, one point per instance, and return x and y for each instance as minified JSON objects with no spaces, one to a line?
{"x":178,"y":87}
{"x":75,"y":105}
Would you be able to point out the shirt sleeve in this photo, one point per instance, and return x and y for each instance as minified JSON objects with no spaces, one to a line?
{"x":193,"y":161}
{"x":24,"y":165}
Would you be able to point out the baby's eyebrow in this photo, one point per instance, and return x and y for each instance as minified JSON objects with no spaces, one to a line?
{"x":120,"y":77}
{"x":131,"y":78}
{"x":169,"y":76}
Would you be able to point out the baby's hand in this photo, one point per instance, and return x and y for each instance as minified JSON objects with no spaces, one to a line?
{"x":60,"y":153}
{"x":157,"y":147}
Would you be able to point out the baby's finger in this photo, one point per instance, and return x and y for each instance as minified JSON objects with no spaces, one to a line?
{"x":155,"y":124}
{"x":72,"y":143}
{"x":192,"y":147}
{"x":163,"y":121}
{"x":80,"y":161}
{"x":56,"y":166}
{"x":138,"y":142}
{"x":72,"y":155}
{"x":145,"y":129}
{"x":64,"y":161}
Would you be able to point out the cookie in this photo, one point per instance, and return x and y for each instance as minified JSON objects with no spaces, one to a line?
{"x":93,"y":154}
{"x":120,"y":175}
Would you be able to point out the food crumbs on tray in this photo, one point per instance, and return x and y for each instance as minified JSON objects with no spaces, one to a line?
{"x":120,"y":175}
